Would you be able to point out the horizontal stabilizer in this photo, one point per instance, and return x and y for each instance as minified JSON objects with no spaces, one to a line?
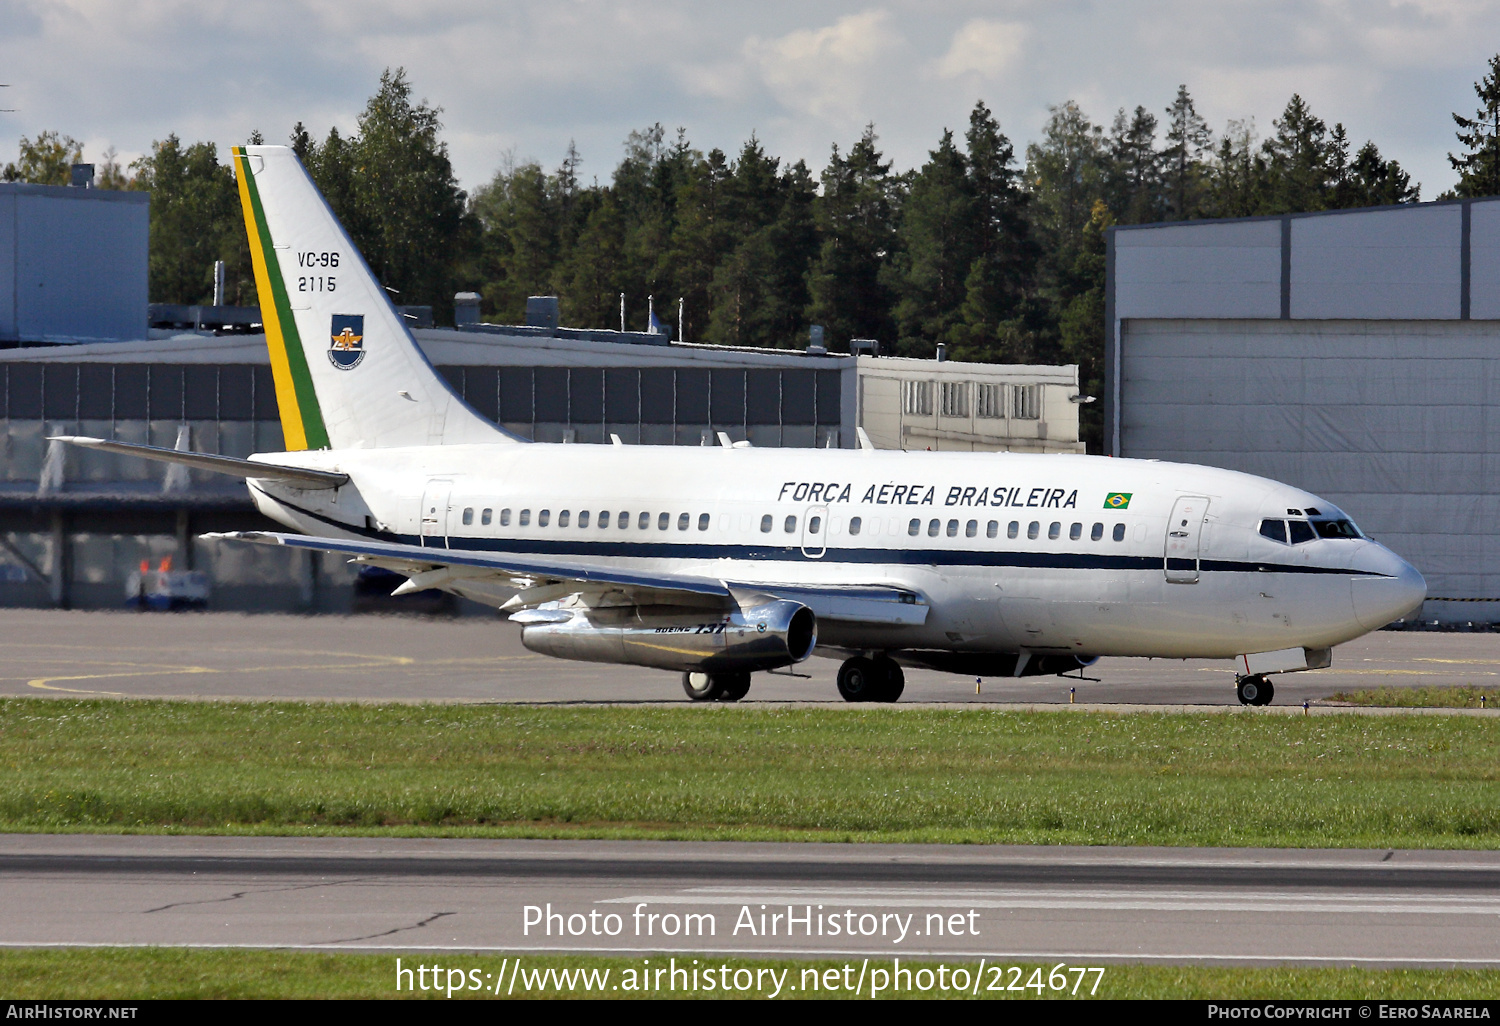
{"x":217,"y":464}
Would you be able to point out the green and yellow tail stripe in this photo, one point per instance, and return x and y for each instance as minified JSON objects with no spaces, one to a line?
{"x":301,"y":417}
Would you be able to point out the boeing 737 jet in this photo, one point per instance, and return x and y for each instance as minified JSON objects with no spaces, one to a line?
{"x":720,"y":562}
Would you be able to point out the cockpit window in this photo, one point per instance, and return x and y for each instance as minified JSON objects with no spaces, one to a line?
{"x":1336,"y":529}
{"x":1301,"y":531}
{"x":1274,"y":530}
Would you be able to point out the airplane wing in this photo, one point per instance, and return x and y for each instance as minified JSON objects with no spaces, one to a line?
{"x":433,"y":567}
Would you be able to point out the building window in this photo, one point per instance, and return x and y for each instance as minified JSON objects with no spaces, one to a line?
{"x":485,"y":517}
{"x":765,"y":524}
{"x":916,"y":398}
{"x":955,"y":398}
{"x":989,"y":401}
{"x":855,"y":523}
{"x":1026,"y":402}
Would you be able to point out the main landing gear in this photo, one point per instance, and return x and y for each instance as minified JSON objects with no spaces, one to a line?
{"x":716,"y":687}
{"x":871,"y":680}
{"x":1255,"y":690}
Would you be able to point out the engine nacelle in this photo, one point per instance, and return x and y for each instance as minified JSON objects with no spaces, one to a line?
{"x":777,"y":633}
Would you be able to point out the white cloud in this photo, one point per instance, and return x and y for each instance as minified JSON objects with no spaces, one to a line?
{"x":987,"y":49}
{"x":827,"y":72}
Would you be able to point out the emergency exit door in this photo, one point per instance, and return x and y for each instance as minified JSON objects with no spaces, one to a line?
{"x":1184,"y":539}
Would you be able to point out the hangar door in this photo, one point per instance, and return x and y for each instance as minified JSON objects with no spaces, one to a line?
{"x":1394,"y":421}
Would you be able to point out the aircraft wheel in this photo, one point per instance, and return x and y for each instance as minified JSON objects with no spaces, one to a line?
{"x":703,"y":687}
{"x":736,"y":686}
{"x":894,"y":680}
{"x":1253,"y":690}
{"x":860,"y":680}
{"x":1267,"y":691}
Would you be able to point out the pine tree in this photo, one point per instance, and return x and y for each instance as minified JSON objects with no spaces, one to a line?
{"x":1479,"y":167}
{"x":1297,"y":172}
{"x":1189,"y":146}
{"x":937,"y":249}
{"x":1004,"y":266}
{"x":1134,"y":168}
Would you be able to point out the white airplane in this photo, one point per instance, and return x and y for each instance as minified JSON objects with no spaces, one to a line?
{"x":720,"y":562}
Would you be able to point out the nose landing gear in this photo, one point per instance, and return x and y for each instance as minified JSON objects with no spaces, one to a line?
{"x":871,"y":680}
{"x":716,"y":687}
{"x":1255,"y":690}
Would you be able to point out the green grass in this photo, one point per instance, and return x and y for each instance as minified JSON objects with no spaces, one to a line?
{"x":1463,"y":696}
{"x":879,"y":774}
{"x":146,"y":973}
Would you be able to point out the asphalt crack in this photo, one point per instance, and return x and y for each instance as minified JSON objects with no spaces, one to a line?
{"x":400,"y":929}
{"x":237,"y":895}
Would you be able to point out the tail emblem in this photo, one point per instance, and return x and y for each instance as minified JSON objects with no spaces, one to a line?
{"x":348,"y":345}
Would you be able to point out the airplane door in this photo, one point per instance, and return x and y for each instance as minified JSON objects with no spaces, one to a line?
{"x":814,"y":532}
{"x":434,"y":526}
{"x":1184,"y":535}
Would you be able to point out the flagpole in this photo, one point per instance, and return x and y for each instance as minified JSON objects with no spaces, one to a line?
{"x":651,"y":314}
{"x":622,"y":313}
{"x":679,"y":319}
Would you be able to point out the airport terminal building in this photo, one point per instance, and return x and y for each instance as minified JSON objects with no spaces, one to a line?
{"x":1352,"y":353}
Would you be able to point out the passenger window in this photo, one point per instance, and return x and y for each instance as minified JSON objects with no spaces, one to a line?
{"x":1274,"y":530}
{"x":683,"y":519}
{"x":992,"y":529}
{"x":1033,"y":529}
{"x":485,"y":517}
{"x":664,"y":521}
{"x":1075,"y":532}
{"x":971,"y":529}
{"x":505,"y":518}
{"x":1300,"y":531}
{"x":468,"y":515}
{"x":914,"y":528}
{"x":765,"y":524}
{"x":623,"y":521}
{"x":603,"y":518}
{"x":1054,"y":530}
{"x":1097,"y":534}
{"x":644,"y":522}
{"x":1119,"y":534}
{"x":933,"y":527}
{"x":566,"y":515}
{"x":790,"y":526}
{"x":583,"y":518}
{"x":814,"y":525}
{"x":703,"y":520}
{"x":543,"y":517}
{"x":1014,"y":529}
{"x":854,"y":525}
{"x":953,"y":529}
{"x":525,"y":517}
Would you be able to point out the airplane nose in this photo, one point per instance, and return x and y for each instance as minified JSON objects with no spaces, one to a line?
{"x":1389,"y":590}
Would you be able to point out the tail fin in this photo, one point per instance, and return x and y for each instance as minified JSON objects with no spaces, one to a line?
{"x":348,"y":373}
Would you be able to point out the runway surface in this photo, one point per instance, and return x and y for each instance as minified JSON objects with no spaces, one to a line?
{"x":396,"y":658}
{"x":1078,"y":905}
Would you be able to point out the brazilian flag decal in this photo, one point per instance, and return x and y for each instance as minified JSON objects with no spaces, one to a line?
{"x":1117,"y":500}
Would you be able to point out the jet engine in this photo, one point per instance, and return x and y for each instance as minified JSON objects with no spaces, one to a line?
{"x":763,"y":637}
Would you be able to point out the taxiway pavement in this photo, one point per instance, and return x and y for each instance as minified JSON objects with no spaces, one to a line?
{"x":401,"y":658}
{"x":1006,"y":904}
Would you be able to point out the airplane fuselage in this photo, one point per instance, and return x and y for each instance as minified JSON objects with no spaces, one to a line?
{"x":1012,"y":552}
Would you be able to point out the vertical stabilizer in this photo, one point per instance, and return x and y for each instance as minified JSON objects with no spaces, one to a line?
{"x":348,"y":373}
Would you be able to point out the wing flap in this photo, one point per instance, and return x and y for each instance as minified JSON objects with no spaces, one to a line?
{"x":859,"y":604}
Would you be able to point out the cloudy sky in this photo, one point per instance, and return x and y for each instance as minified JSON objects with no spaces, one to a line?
{"x":525,"y":76}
